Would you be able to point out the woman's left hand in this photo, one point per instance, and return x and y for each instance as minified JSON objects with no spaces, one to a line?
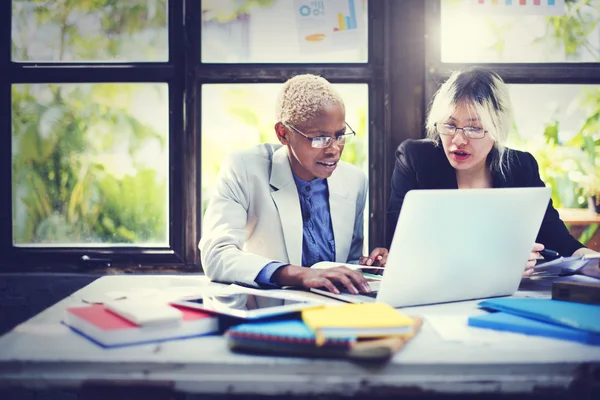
{"x":377,"y":258}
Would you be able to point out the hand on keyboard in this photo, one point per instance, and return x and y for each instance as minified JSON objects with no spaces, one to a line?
{"x":353,"y":281}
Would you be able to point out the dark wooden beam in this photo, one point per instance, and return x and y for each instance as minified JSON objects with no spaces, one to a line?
{"x":405,"y":55}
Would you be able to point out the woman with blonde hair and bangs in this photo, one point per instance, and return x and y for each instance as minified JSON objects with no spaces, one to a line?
{"x":467,"y":130}
{"x":280,"y":208}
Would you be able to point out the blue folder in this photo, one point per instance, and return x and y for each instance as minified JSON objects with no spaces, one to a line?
{"x":575,"y":315}
{"x":514,"y":323}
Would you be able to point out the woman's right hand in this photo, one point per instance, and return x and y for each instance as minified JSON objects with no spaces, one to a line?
{"x":533,"y":257}
{"x":292,"y":275}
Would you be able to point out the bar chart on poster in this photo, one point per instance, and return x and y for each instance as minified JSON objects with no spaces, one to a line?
{"x":346,"y":22}
{"x":329,"y":25}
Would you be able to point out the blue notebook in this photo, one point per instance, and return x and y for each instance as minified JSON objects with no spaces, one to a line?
{"x":513,"y":323}
{"x":575,"y":315}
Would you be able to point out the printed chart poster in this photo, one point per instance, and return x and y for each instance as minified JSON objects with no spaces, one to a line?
{"x":518,"y":7}
{"x":329,"y":25}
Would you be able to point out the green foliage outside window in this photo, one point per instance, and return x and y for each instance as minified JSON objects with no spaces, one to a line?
{"x":89,"y":30}
{"x":66,"y":189}
{"x":572,"y":167}
{"x":85,"y":158}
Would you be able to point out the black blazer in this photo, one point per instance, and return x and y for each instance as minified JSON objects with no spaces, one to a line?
{"x":422,"y":164}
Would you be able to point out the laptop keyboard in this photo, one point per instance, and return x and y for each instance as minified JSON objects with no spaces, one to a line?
{"x":372,"y":294}
{"x":343,"y":290}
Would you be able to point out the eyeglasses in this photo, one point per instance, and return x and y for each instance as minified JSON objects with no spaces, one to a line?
{"x":470,"y":131}
{"x":321,"y":142}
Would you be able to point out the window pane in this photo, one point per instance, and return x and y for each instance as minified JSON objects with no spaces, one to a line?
{"x":508,"y":35}
{"x":89,"y":31}
{"x":90,"y":164}
{"x":284,"y":31}
{"x":559,"y":125}
{"x":238,"y":116}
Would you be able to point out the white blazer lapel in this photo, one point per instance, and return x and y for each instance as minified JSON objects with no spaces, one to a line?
{"x":343,"y":212}
{"x":285,"y":196}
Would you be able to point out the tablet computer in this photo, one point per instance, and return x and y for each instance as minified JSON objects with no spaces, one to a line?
{"x":247,"y":305}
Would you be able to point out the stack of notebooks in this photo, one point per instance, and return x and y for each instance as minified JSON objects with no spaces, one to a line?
{"x":542,"y":317}
{"x":111,"y":327}
{"x":359,"y":331}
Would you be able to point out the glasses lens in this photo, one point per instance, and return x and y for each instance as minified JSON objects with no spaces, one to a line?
{"x":475,"y":133}
{"x":321,"y":142}
{"x":445,"y":129}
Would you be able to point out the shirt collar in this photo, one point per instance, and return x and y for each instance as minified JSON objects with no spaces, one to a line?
{"x":303,"y":186}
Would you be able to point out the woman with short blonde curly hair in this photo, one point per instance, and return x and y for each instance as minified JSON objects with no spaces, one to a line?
{"x":279,"y":209}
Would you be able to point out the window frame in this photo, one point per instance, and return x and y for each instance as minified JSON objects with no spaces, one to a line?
{"x":524,"y":73}
{"x":185,"y":73}
{"x":370,"y":73}
{"x":394,"y":74}
{"x":169,"y":72}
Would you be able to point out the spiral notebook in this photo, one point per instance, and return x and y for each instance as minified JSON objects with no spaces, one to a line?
{"x":291,"y":337}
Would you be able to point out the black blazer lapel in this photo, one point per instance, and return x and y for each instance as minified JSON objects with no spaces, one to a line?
{"x":445,"y":174}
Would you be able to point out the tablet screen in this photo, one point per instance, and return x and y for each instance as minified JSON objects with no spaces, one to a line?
{"x":245,"y":305}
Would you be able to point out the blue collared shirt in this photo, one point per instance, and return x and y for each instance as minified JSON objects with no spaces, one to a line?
{"x":318,"y":243}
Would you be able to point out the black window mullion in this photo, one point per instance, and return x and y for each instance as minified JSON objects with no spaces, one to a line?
{"x":191,"y":174}
{"x":277,"y":73}
{"x":178,"y":212}
{"x":433,"y":21}
{"x":530,"y":72}
{"x":78,"y":259}
{"x":379,"y":127}
{"x":5,"y":132}
{"x":90,"y":74}
{"x":405,"y":41}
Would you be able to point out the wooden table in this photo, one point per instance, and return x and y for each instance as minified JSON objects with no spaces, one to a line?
{"x":41,"y":353}
{"x":578,"y":220}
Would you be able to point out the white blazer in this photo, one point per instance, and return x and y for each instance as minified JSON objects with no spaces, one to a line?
{"x":254,"y":217}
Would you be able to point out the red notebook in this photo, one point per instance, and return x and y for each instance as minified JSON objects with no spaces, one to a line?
{"x":110,"y":330}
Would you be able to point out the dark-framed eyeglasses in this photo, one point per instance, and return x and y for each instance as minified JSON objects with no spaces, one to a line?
{"x":470,"y":131}
{"x":321,"y":142}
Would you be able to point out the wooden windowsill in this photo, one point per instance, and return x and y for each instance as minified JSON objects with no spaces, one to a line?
{"x":578,"y":216}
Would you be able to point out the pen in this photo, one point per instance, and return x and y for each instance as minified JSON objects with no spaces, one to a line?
{"x":547,"y":253}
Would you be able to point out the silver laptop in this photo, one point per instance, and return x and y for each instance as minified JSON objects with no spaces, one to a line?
{"x":452,"y":245}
